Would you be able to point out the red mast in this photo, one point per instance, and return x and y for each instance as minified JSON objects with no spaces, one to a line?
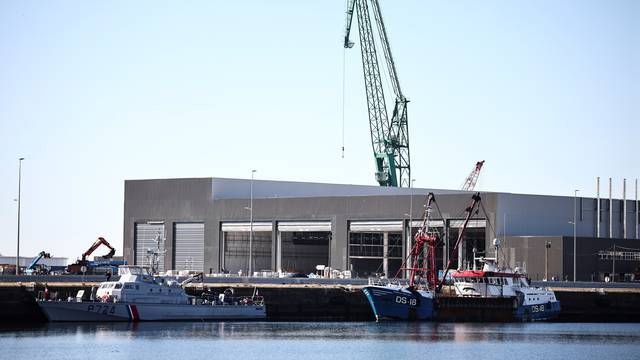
{"x":470,"y":211}
{"x":426,"y":242}
{"x":424,"y":236}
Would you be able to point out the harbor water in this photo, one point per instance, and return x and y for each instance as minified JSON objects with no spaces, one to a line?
{"x":343,"y":340}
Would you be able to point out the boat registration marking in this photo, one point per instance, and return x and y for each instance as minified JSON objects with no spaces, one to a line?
{"x":404,"y":300}
{"x":102,"y":309}
{"x":537,"y":308}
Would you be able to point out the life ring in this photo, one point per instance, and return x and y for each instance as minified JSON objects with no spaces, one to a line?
{"x":105,"y":298}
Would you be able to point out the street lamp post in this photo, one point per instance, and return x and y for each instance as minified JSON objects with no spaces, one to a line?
{"x":251,"y":225}
{"x":19,"y":194}
{"x":547,"y":246}
{"x":613,"y":271}
{"x":575,"y":225}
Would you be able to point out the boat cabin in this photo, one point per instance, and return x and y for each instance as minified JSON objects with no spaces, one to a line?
{"x":137,"y":285}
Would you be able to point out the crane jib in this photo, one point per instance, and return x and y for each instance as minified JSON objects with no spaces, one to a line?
{"x":389,"y":137}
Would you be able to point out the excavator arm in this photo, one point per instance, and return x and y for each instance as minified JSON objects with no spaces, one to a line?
{"x":96,"y":244}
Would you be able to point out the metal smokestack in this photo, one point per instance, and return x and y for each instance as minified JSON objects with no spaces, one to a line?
{"x":598,"y":207}
{"x":610,"y":212}
{"x":624,"y":208}
{"x":637,"y":210}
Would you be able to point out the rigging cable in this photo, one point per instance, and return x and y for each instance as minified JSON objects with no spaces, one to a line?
{"x":344,"y":71}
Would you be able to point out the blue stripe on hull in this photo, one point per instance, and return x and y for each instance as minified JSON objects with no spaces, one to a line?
{"x":539,"y":312}
{"x":396,"y":304}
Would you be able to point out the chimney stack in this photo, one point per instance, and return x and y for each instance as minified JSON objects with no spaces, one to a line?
{"x":598,"y":207}
{"x":610,"y":212}
{"x":624,"y":208}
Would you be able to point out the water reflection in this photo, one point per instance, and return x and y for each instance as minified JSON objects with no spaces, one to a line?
{"x":385,"y":331}
{"x":349,"y":341}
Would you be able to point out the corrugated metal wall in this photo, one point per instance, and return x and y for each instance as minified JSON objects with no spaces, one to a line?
{"x":145,"y":238}
{"x":189,"y":246}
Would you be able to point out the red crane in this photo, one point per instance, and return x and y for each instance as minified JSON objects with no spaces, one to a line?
{"x":76,"y":268}
{"x":472,"y":179}
{"x":96,"y":244}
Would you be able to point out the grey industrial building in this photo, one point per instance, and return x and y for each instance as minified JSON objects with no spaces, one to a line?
{"x":205,"y":224}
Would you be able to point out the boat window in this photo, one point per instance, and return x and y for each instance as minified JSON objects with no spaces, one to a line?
{"x":118,"y":285}
{"x":137,"y":287}
{"x":128,"y":286}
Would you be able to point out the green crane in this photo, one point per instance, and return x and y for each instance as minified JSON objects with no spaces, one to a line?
{"x":389,"y":137}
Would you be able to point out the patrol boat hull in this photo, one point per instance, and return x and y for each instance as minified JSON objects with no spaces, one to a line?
{"x":56,"y":311}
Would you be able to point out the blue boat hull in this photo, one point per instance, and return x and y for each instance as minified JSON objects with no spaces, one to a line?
{"x":398,"y":303}
{"x":548,"y":311}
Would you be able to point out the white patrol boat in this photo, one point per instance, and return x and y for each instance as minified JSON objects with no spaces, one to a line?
{"x":139,"y":296}
{"x":530,"y":303}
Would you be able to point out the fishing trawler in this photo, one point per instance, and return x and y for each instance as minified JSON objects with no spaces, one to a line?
{"x":415,"y":300}
{"x":490,"y":294}
{"x":529,"y":303}
{"x":139,"y":296}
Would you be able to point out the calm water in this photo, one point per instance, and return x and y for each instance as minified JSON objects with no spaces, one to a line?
{"x":352,"y":341}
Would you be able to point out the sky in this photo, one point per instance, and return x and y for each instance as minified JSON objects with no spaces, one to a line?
{"x":94,"y":93}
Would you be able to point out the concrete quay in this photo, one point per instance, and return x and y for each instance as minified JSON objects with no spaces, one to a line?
{"x":302,"y":299}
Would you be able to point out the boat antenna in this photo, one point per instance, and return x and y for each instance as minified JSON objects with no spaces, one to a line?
{"x":496,"y":245}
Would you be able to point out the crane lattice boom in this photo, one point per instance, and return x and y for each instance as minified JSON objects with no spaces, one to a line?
{"x":472,"y":179}
{"x":389,"y":137}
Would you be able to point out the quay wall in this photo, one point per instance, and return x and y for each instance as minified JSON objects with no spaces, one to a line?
{"x":334,"y":302}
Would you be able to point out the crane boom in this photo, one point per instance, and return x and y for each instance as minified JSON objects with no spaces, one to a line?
{"x":470,"y":211}
{"x":472,"y":179}
{"x":37,"y":259}
{"x":389,"y":137}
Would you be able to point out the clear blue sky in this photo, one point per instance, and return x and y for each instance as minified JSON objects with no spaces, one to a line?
{"x":93,"y":93}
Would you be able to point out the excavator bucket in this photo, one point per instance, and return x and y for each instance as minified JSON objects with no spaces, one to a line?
{"x":110,"y":254}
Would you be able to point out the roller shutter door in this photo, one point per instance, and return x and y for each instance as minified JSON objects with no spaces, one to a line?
{"x":472,"y":223}
{"x":246,"y":227}
{"x":145,"y":238}
{"x":189,"y":246}
{"x":304,"y":226}
{"x":375,"y":226}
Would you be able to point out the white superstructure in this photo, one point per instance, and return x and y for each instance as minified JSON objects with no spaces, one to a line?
{"x":138,"y":296}
{"x":493,"y":282}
